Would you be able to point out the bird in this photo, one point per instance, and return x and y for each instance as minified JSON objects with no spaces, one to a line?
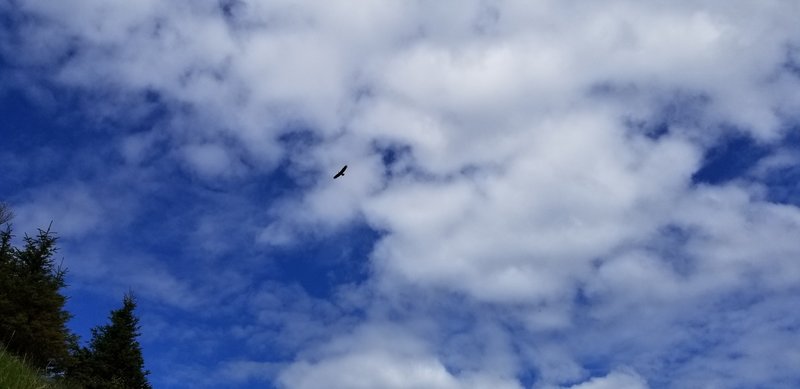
{"x":341,"y":172}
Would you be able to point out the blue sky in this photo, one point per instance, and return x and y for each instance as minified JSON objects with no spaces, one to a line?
{"x":545,"y":195}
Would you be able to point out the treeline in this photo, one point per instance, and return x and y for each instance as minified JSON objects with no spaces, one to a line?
{"x":33,"y":320}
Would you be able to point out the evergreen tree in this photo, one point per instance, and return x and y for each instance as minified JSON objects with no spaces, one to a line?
{"x":33,"y":322}
{"x":5,"y":213}
{"x":8,"y":294}
{"x":114,"y":357}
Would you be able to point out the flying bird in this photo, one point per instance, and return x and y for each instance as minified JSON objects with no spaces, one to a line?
{"x":341,"y":172}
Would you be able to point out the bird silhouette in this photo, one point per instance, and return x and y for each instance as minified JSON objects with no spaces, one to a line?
{"x":341,"y":172}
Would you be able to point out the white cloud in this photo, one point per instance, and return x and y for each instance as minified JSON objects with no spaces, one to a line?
{"x":370,"y":370}
{"x":385,"y":357}
{"x":211,"y":160}
{"x":523,"y":190}
{"x":529,"y":233}
{"x":75,"y":210}
{"x":614,"y":380}
{"x":242,"y":371}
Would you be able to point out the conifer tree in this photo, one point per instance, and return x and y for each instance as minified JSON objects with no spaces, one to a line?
{"x":33,"y":321}
{"x":5,"y":213}
{"x":114,"y":357}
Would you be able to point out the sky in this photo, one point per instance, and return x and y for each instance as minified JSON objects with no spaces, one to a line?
{"x":540,"y":194}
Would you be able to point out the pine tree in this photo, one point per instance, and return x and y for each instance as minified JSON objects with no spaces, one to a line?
{"x":8,"y":294}
{"x":33,"y":322}
{"x":114,"y":357}
{"x":5,"y":213}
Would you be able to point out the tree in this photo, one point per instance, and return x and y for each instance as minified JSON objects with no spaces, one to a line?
{"x":114,"y":357}
{"x":33,"y":322}
{"x":5,"y":213}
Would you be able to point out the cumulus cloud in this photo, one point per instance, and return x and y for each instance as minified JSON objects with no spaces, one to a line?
{"x":536,"y":160}
{"x":76,"y":208}
{"x":211,"y":160}
{"x":621,"y":380}
{"x":382,"y":356}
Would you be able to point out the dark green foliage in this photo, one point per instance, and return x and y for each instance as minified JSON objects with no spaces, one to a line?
{"x":33,"y":324}
{"x":5,"y":214}
{"x":32,"y":316}
{"x":114,"y":356}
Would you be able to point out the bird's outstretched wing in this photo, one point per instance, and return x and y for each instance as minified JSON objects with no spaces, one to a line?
{"x":341,"y":172}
